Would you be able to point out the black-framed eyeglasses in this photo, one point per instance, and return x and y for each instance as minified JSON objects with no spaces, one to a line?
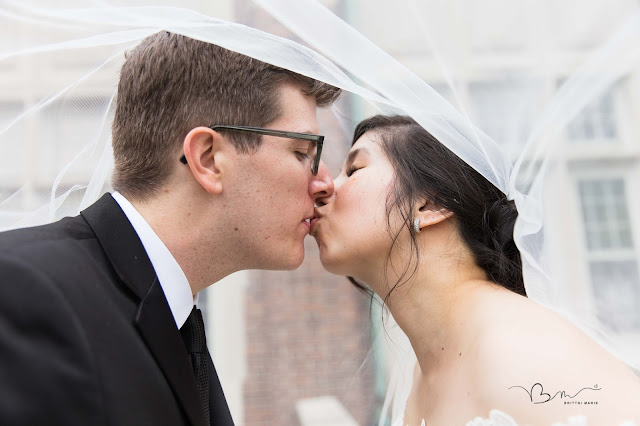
{"x":314,"y":156}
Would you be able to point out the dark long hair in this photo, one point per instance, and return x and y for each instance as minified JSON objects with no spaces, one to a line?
{"x":426,"y":168}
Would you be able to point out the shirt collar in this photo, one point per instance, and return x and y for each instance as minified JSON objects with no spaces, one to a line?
{"x":172,"y":279}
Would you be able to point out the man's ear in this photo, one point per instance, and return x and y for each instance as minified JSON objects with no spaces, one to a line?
{"x":207,"y":155}
{"x":429,"y":213}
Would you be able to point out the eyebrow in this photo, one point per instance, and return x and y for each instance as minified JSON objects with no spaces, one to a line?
{"x":297,"y":142}
{"x":353,"y":154}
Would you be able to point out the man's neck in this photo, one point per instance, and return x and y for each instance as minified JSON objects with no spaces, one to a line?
{"x":188,"y":230}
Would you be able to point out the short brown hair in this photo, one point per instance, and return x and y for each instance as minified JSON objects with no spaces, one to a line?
{"x":170,"y":84}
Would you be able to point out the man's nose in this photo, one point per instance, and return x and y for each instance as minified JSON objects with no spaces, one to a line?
{"x":321,"y":185}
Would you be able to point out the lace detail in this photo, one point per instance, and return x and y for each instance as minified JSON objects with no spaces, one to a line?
{"x":498,"y":418}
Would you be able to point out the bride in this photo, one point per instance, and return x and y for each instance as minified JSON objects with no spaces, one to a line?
{"x":434,"y":239}
{"x":479,"y":346}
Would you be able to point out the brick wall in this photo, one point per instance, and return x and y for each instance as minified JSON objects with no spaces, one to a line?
{"x":307,"y":334}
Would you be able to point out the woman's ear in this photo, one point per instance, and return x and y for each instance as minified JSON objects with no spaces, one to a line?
{"x":207,"y":155}
{"x":428,"y":213}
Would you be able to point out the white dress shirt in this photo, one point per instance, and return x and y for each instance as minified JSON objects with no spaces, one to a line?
{"x":170,"y":275}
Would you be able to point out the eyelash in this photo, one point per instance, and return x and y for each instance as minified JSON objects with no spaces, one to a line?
{"x":302,"y":155}
{"x":352,"y":170}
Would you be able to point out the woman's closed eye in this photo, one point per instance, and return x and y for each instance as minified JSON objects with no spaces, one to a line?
{"x":351,"y":170}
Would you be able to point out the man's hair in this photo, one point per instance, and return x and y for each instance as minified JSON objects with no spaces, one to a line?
{"x":170,"y":84}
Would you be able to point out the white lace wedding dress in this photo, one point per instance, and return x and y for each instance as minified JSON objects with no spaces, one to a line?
{"x":498,"y":418}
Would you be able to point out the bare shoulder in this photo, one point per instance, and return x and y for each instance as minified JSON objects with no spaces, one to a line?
{"x":535,"y":365}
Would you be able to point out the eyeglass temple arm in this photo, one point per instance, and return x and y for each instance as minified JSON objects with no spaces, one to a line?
{"x":268,"y":132}
{"x":293,"y":135}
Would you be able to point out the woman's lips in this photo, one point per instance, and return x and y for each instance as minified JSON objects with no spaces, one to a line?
{"x":312,"y":224}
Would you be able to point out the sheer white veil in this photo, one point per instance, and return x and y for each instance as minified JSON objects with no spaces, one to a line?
{"x":541,"y":98}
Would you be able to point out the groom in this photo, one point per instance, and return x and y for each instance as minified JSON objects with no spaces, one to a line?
{"x":97,"y":317}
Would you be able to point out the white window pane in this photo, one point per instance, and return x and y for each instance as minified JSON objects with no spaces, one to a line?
{"x":597,"y":121}
{"x":13,"y":148}
{"x":625,"y":237}
{"x":605,"y":214}
{"x":69,"y":127}
{"x":616,"y":288}
{"x":504,"y":109}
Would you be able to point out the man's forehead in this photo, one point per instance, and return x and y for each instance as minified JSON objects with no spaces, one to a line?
{"x":297,"y":111}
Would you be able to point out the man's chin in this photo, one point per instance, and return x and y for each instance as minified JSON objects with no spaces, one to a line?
{"x":293,"y":265}
{"x":290,"y":263}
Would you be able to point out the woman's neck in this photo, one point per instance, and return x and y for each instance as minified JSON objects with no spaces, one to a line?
{"x":433,"y":306}
{"x":434,"y":314}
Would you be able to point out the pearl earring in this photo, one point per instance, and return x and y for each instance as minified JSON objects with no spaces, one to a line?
{"x":416,"y":225}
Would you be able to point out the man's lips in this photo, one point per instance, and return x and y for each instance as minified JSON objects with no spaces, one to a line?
{"x":307,"y":222}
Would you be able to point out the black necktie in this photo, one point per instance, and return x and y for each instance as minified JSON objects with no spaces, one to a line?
{"x":196,"y":343}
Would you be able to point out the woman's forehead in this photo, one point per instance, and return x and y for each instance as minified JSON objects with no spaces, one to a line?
{"x":367,"y":140}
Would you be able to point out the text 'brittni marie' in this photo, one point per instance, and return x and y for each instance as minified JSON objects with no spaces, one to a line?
{"x":537,"y":395}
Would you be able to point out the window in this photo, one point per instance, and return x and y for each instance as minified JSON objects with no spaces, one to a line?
{"x":11,"y":166}
{"x":605,"y":215}
{"x":505,"y":109}
{"x":596,"y":122}
{"x":70,"y":125}
{"x":612,"y":260}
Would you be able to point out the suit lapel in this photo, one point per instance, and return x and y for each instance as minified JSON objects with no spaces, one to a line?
{"x":220,"y":414}
{"x":168,"y":349}
{"x":153,"y":320}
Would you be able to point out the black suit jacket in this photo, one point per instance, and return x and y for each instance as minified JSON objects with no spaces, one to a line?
{"x":86,"y":334}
